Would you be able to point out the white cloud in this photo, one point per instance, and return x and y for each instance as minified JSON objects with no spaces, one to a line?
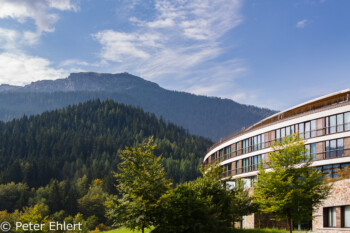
{"x":8,"y":38}
{"x":21,"y":69}
{"x":17,"y":67}
{"x":162,"y":23}
{"x":12,"y":40}
{"x":118,"y":46}
{"x":37,"y":10}
{"x":216,"y":78}
{"x":74,"y":62}
{"x":302,"y":23}
{"x":175,"y":42}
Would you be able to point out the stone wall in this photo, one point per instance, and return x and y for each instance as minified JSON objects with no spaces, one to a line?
{"x":339,"y":196}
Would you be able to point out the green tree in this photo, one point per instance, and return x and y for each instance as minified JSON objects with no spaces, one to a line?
{"x":37,"y":214}
{"x":141,"y":183}
{"x":242,"y":201}
{"x":205,"y":205}
{"x":92,"y":204}
{"x":13,"y":196}
{"x":292,"y":189}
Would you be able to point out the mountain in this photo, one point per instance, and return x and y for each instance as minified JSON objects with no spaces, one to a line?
{"x":84,"y":140}
{"x":210,"y":117}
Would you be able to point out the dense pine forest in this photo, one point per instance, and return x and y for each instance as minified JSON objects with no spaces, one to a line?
{"x":85,"y":139}
{"x":60,"y":163}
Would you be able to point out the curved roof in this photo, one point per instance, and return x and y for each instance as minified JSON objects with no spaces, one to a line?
{"x":330,"y":99}
{"x":317,"y":103}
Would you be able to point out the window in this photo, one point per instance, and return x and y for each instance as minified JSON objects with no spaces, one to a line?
{"x":246,"y":165}
{"x":283,"y":133}
{"x":346,"y":216}
{"x":313,"y":129}
{"x":228,"y":151}
{"x":247,"y":182}
{"x":252,"y":163}
{"x":256,"y":160}
{"x":255,"y":142}
{"x":288,"y":131}
{"x":237,"y":149}
{"x":262,"y":141}
{"x":237,"y":167}
{"x":213,"y":158}
{"x":221,"y":155}
{"x":347,"y":121}
{"x":332,"y":217}
{"x":337,"y":123}
{"x":246,"y":146}
{"x":278,"y":135}
{"x":332,"y":124}
{"x":340,"y":123}
{"x":227,"y":169}
{"x":340,"y":147}
{"x":311,"y":150}
{"x":301,"y":130}
{"x":332,"y":170}
{"x":307,"y":129}
{"x":334,"y":148}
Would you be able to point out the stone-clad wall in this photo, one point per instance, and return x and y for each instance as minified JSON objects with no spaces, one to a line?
{"x":339,"y":196}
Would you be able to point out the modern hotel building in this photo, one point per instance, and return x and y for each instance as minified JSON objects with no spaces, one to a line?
{"x":324,"y":124}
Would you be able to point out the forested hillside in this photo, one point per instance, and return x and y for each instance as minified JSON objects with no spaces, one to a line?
{"x":84,"y":140}
{"x":210,"y":117}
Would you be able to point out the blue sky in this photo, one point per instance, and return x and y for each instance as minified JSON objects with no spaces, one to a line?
{"x":273,"y":53}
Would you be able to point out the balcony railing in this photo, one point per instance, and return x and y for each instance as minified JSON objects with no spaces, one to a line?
{"x":325,"y":155}
{"x":306,"y":135}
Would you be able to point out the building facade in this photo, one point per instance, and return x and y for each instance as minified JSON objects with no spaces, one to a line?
{"x":323,"y":123}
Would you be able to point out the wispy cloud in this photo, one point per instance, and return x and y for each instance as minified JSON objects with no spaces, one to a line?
{"x":302,"y":23}
{"x":12,"y":40}
{"x":37,"y":10}
{"x":172,"y":46}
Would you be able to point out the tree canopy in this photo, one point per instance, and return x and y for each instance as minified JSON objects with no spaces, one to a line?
{"x":141,"y":182}
{"x":290,"y":188}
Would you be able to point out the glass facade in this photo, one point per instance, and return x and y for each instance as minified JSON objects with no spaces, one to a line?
{"x":332,"y":169}
{"x":337,"y":123}
{"x":334,"y":148}
{"x":308,"y":129}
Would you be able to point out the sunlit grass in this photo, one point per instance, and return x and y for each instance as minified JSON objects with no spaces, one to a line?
{"x":125,"y":230}
{"x":266,"y":230}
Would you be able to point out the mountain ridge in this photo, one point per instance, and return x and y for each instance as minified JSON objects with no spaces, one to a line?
{"x":212,"y":117}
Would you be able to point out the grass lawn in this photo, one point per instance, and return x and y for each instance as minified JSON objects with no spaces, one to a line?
{"x":125,"y":230}
{"x":266,"y":230}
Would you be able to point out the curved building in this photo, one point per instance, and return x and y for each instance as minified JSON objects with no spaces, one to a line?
{"x":323,"y":123}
